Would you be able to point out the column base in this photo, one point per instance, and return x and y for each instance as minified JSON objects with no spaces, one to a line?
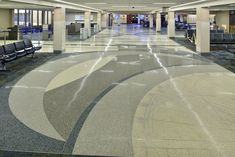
{"x":58,"y":51}
{"x":204,"y":54}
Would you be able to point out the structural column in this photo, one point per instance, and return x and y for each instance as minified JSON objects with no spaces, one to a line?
{"x":104,"y":20}
{"x":119,"y":19}
{"x":158,"y":22}
{"x":87,"y":22}
{"x":59,"y":30}
{"x":139,"y":18}
{"x":99,"y":20}
{"x":203,"y":30}
{"x":171,"y":25}
{"x":150,"y":21}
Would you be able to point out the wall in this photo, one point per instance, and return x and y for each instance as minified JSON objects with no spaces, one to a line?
{"x":193,"y":18}
{"x":6,"y":18}
{"x":222,"y":19}
{"x":72,"y":17}
{"x":123,"y":18}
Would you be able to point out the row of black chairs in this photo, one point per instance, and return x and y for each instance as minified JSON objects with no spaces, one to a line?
{"x":14,"y":51}
{"x":216,"y":37}
{"x":222,"y":38}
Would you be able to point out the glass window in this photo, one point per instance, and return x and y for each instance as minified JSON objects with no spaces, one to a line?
{"x":49,"y":17}
{"x":35,"y":17}
{"x":45,"y":17}
{"x":39,"y":17}
{"x":21,"y":17}
{"x":27,"y":17}
{"x":15,"y":16}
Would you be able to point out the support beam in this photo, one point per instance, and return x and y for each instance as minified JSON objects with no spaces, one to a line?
{"x":87,"y":22}
{"x":99,"y":20}
{"x":158,"y":22}
{"x":104,"y":20}
{"x":171,"y":24}
{"x":59,"y":30}
{"x":58,"y":4}
{"x":139,"y":18}
{"x":203,"y":30}
{"x":150,"y":21}
{"x":119,"y":19}
{"x":201,"y":4}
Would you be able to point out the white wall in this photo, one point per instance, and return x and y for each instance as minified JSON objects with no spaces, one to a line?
{"x":193,"y":18}
{"x":222,"y":19}
{"x":123,"y":18}
{"x":72,"y":17}
{"x":6,"y":18}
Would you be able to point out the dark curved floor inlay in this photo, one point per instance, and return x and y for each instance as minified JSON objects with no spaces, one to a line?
{"x":31,"y":154}
{"x":68,"y":120}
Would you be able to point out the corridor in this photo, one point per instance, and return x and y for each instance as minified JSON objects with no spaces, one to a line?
{"x":127,"y":91}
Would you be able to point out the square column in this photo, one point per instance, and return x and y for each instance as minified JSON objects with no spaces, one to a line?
{"x":158,"y":22}
{"x":203,"y":30}
{"x":139,"y":16}
{"x":87,"y":22}
{"x":59,"y":30}
{"x":150,"y":21}
{"x":99,"y":20}
{"x":104,"y":20}
{"x":171,"y":25}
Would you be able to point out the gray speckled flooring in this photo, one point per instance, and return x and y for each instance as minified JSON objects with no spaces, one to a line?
{"x":106,"y":102}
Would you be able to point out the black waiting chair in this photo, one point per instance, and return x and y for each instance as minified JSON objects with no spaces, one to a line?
{"x":218,"y":37}
{"x":16,"y":50}
{"x":233,"y":37}
{"x":228,"y":38}
{"x":1,"y":53}
{"x":29,"y":47}
{"x":20,"y":49}
{"x":9,"y":52}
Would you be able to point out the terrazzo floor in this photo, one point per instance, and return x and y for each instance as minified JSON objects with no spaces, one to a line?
{"x":126,"y":91}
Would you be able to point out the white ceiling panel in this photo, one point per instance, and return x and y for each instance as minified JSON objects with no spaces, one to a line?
{"x":130,"y":5}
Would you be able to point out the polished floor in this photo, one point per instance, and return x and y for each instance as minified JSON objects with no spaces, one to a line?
{"x":126,"y":91}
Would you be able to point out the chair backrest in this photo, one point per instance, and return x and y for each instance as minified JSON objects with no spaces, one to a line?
{"x":190,"y":33}
{"x":213,"y":31}
{"x":218,"y":37}
{"x":212,"y":37}
{"x":9,"y":49}
{"x":233,"y":37}
{"x":220,"y":31}
{"x":1,"y":51}
{"x":28,"y":43}
{"x":19,"y":46}
{"x":228,"y":37}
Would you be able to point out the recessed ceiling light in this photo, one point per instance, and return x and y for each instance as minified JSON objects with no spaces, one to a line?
{"x":164,"y":3}
{"x":96,"y":3}
{"x":128,"y":6}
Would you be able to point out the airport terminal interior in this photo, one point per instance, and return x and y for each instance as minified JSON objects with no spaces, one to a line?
{"x":117,"y":78}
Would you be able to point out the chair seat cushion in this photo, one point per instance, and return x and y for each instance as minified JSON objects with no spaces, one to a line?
{"x":30,"y":50}
{"x":21,"y":53}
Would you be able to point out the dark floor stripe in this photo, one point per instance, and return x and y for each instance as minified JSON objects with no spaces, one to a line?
{"x":70,"y":143}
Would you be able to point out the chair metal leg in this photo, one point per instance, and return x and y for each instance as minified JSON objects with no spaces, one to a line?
{"x":4,"y":68}
{"x":32,"y":55}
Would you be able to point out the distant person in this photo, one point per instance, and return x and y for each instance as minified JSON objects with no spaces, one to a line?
{"x":215,"y":26}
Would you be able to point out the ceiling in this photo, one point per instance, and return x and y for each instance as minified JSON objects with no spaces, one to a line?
{"x":15,"y":5}
{"x":130,"y":5}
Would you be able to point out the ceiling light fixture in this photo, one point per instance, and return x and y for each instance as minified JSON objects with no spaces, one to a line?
{"x":95,"y":3}
{"x":164,"y":3}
